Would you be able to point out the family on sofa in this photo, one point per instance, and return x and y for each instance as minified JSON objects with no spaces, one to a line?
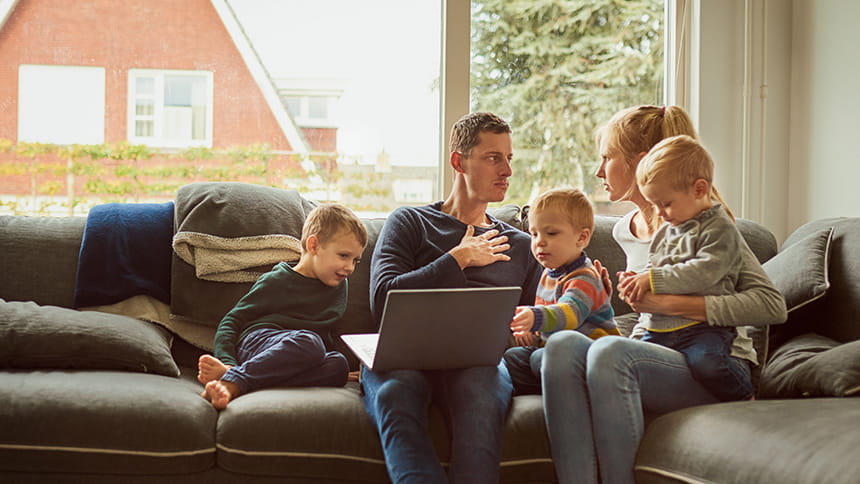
{"x":686,"y":278}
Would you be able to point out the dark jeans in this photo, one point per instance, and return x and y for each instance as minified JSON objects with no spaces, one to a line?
{"x":707,"y":350}
{"x":523,"y":364}
{"x":286,"y":358}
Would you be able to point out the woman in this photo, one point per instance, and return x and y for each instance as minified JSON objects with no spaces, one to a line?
{"x":596,"y":391}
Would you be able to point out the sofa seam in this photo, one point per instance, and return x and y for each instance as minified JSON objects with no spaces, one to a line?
{"x":91,"y":450}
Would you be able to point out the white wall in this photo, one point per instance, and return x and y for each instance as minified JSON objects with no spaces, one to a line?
{"x":824,"y":160}
{"x":740,"y":102}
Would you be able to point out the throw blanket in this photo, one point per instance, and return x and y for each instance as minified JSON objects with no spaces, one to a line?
{"x":227,"y":233}
{"x":125,"y":252}
{"x":237,"y":259}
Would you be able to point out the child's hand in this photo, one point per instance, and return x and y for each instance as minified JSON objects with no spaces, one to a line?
{"x":523,"y":320}
{"x":525,"y":338}
{"x":633,"y":287}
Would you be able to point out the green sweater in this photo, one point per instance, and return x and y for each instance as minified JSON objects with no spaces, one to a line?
{"x":280,"y":299}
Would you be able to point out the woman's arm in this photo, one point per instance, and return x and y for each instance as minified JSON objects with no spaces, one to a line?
{"x":756,"y":303}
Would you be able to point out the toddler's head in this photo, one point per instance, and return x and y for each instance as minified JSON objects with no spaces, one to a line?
{"x":677,"y":177}
{"x":560,"y":222}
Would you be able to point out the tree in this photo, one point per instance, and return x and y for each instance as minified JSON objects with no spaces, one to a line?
{"x":556,"y":70}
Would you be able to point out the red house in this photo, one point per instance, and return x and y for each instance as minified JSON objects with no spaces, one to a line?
{"x":167,"y":74}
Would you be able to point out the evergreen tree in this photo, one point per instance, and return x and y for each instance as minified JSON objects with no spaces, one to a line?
{"x":556,"y":70}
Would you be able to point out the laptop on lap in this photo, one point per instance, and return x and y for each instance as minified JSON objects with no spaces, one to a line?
{"x":433,"y":329}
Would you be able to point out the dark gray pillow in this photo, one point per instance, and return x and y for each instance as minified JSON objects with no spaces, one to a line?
{"x":799,"y":271}
{"x":812,"y":365}
{"x":34,"y":336}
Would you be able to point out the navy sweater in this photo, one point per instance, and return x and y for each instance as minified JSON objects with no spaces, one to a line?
{"x":412,"y":252}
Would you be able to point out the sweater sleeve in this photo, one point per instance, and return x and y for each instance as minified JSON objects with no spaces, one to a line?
{"x":581,"y":294}
{"x":757,"y":301}
{"x":716,"y":256}
{"x":250,"y":307}
{"x":397,"y":264}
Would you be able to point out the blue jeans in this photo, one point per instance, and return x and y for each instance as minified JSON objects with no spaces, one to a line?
{"x":474,"y":403}
{"x":523,"y":363}
{"x":708,"y":352}
{"x":595,"y":394}
{"x":286,"y":358}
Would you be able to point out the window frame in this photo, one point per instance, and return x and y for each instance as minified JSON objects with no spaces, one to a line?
{"x":158,"y":108}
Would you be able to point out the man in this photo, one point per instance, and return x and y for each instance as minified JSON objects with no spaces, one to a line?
{"x":451,"y":243}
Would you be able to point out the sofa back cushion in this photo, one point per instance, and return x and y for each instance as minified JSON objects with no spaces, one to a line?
{"x":835,"y":314}
{"x":39,"y":257}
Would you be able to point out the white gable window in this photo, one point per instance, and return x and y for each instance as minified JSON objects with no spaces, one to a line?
{"x":61,"y":104}
{"x":171,"y":109}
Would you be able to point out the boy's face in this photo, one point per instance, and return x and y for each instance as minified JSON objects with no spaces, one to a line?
{"x":334,"y":260}
{"x":676,"y":206}
{"x":555,"y":241}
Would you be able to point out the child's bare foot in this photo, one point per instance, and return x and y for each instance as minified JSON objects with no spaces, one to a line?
{"x":220,"y":393}
{"x":210,"y":368}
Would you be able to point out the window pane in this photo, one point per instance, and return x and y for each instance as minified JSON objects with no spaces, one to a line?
{"x":144,"y":129}
{"x":368,"y":77}
{"x":559,"y":71}
{"x":144,"y":107}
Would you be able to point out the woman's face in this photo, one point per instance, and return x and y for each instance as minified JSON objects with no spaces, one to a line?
{"x":617,"y":175}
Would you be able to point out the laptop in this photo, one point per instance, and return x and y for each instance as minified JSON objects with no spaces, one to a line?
{"x":433,"y":329}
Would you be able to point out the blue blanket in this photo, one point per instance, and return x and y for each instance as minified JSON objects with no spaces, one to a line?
{"x":126,"y":251}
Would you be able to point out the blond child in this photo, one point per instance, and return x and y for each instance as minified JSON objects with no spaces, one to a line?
{"x":698,"y":251}
{"x":274,"y":336}
{"x":571,"y":294}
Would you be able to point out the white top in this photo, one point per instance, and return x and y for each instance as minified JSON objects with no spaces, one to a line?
{"x":636,"y":250}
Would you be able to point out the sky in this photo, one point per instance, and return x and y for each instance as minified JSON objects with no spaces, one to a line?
{"x":386,"y":53}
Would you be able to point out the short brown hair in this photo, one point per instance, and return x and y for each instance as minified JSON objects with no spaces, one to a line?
{"x":571,"y":202}
{"x":328,"y":219}
{"x":464,"y":133}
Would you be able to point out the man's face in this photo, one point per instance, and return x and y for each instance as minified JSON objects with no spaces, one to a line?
{"x":487,"y":167}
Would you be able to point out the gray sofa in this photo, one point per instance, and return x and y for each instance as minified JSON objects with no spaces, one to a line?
{"x":96,"y":396}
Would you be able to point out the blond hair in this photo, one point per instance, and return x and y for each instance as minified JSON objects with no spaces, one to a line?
{"x":572,"y":202}
{"x":327,"y":220}
{"x":678,"y":162}
{"x":635,"y":130}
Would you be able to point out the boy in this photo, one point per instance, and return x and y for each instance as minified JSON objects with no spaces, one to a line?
{"x":272,"y":336}
{"x":698,"y":251}
{"x":571,"y":294}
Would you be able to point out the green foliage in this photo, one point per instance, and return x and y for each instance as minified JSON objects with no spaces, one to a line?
{"x":556,"y":70}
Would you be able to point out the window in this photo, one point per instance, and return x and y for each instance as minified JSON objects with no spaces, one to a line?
{"x":352,"y":102}
{"x":559,"y":71}
{"x":61,"y":104}
{"x":170,"y":108}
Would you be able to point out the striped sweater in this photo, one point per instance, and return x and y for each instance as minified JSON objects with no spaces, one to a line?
{"x":573,"y":297}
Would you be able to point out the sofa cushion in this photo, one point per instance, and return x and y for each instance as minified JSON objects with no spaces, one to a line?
{"x":104,"y":422}
{"x":800,"y":270}
{"x":811,"y":365}
{"x":779,"y":441}
{"x":33,"y":336}
{"x":277,"y":432}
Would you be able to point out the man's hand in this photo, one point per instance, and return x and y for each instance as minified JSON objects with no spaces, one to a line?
{"x":480,"y":250}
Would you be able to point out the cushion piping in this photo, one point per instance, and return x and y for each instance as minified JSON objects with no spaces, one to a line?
{"x":91,"y":450}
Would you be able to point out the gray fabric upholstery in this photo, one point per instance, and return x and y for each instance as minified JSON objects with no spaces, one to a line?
{"x":39,"y":257}
{"x":103,"y":422}
{"x":769,"y":441}
{"x":34,"y":336}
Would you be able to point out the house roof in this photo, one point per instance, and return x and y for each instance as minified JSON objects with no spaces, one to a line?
{"x":252,"y":61}
{"x":260,"y":75}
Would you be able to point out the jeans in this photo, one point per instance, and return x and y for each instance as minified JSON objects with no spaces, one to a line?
{"x":708,"y":352}
{"x":474,"y":403}
{"x":595,"y":395}
{"x":286,"y":358}
{"x":523,"y":363}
